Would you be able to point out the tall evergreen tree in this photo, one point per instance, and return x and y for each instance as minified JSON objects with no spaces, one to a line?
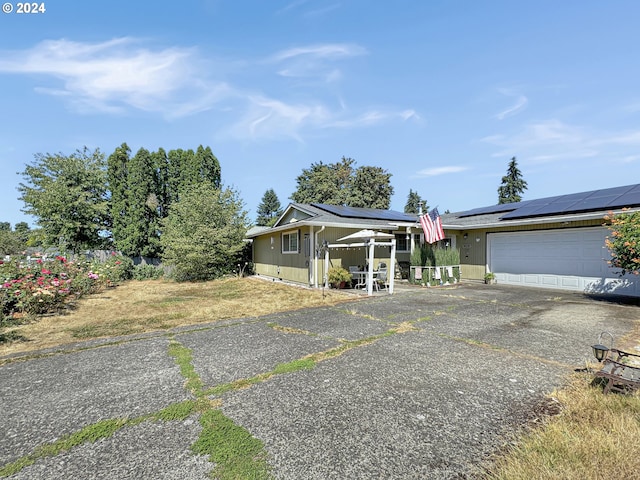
{"x":118,"y":185}
{"x":269,"y":209}
{"x":161,"y":166}
{"x":141,"y":236}
{"x":415,"y":203}
{"x":371,"y":188}
{"x":207,"y":167}
{"x":177,"y":163}
{"x":513,"y":185}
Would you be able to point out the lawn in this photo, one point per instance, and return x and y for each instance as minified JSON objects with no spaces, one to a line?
{"x":151,"y":305}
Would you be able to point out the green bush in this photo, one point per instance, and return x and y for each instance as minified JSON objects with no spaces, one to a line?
{"x":427,"y":256}
{"x":147,"y":272}
{"x":117,"y":268}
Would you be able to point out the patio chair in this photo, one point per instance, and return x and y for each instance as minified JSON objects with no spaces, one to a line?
{"x":356,"y":275}
{"x":382,"y":280}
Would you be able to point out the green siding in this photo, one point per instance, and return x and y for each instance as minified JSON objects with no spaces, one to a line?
{"x":269,"y":260}
{"x":473,"y":249}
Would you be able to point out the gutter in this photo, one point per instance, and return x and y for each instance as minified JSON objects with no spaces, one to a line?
{"x":315,"y":256}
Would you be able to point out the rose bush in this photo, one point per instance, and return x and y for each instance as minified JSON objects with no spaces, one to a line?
{"x":43,"y":285}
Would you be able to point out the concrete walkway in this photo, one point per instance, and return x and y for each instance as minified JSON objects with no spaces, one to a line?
{"x":438,"y":382}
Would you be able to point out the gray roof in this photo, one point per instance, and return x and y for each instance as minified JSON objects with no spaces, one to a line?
{"x":345,"y":217}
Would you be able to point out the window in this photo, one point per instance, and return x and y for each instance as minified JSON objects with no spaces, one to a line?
{"x":290,"y":242}
{"x":402,"y":242}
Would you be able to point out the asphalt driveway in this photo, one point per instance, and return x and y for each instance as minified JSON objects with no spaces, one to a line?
{"x":426,"y":383}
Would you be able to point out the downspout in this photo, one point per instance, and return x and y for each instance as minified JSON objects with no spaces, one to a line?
{"x":315,"y":257}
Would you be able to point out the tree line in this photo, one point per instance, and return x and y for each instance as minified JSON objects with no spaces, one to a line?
{"x":140,"y":205}
{"x":340,"y":183}
{"x":172,"y":204}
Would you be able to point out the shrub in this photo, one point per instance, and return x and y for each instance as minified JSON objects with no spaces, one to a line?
{"x":147,"y":272}
{"x":624,"y":241}
{"x":116,"y":269}
{"x":43,"y":285}
{"x":337,"y":275}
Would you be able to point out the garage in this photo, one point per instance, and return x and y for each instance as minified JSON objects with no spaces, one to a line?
{"x":567,"y":259}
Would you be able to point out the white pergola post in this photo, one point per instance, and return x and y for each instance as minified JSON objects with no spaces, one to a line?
{"x":325,"y":280}
{"x":372,"y":246}
{"x":391,"y":272}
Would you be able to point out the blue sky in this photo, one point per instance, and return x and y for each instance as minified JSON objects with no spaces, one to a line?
{"x":439,"y":93}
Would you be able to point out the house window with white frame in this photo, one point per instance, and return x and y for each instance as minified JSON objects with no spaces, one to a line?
{"x":290,"y":242}
{"x":402,"y":242}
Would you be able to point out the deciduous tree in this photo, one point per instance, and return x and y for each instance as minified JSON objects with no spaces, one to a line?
{"x":67,"y":194}
{"x":342,"y":184}
{"x":10,"y":243}
{"x":203,"y":235}
{"x":371,"y":188}
{"x":325,"y":183}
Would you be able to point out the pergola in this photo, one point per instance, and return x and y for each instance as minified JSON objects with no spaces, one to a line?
{"x":369,"y":239}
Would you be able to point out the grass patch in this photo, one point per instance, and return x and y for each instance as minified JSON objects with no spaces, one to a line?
{"x":123,"y":326}
{"x":235,"y":452}
{"x":177,"y":411}
{"x":282,"y":368}
{"x":91,"y":433}
{"x":183,"y":358}
{"x":144,"y":306}
{"x":12,"y":336}
{"x":593,"y":436}
{"x":294,"y":366}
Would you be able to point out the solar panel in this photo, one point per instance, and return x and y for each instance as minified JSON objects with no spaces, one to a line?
{"x":503,"y":207}
{"x":617,"y":197}
{"x":368,"y":213}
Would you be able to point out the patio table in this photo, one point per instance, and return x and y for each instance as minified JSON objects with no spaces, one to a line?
{"x":362,"y":277}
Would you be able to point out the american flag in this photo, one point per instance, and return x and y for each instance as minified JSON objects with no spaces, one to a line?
{"x":432,"y":226}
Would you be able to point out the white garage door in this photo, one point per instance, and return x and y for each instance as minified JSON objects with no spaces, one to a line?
{"x":569,"y":259}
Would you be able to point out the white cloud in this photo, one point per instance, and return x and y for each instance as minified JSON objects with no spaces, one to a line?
{"x":329,"y":50}
{"x":110,"y":75}
{"x":123,"y":74}
{"x":269,"y":118}
{"x":556,"y":141}
{"x":315,"y":61}
{"x":436,"y":171}
{"x":520,"y":103}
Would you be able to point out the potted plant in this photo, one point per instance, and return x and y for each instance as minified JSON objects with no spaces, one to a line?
{"x":489,"y":278}
{"x":338,"y":277}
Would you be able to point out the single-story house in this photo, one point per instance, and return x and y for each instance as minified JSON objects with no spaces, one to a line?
{"x":555,"y":242}
{"x":294,"y":248}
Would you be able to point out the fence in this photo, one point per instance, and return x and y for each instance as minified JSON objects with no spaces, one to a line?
{"x":432,"y":276}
